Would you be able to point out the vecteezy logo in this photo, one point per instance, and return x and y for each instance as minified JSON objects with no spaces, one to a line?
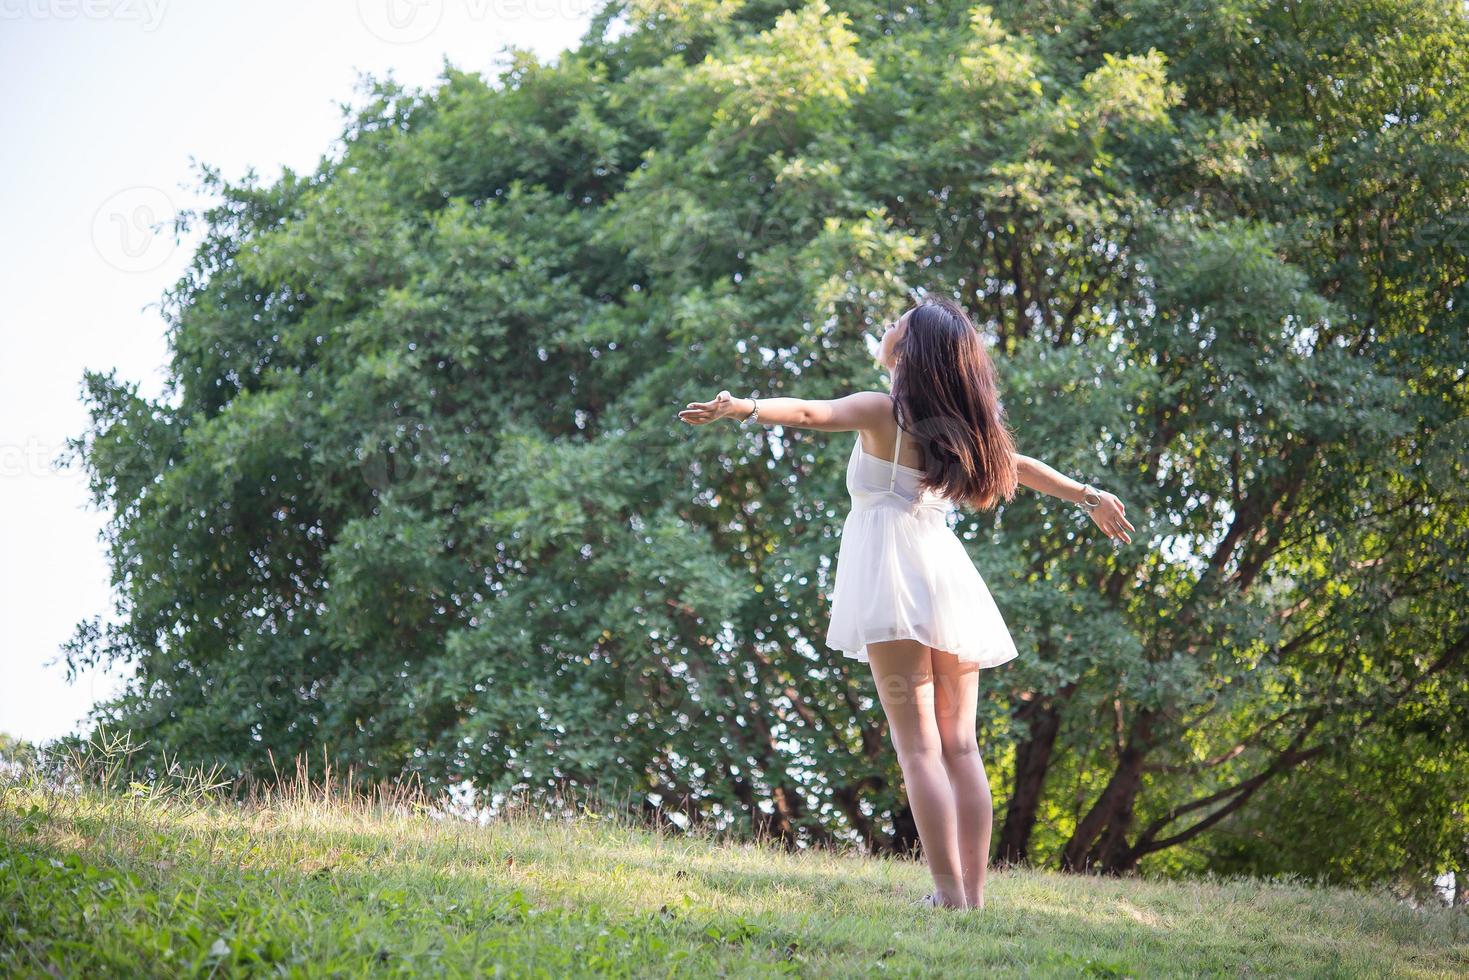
{"x":659,"y":689}
{"x":1446,"y":457}
{"x":148,"y":12}
{"x":400,"y":457}
{"x":400,"y":21}
{"x":1450,"y":230}
{"x":128,"y":229}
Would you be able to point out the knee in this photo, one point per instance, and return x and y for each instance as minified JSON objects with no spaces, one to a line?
{"x":920,"y":750}
{"x":960,"y":749}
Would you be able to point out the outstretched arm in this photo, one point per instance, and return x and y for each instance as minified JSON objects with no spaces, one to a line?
{"x":859,"y":410}
{"x":1044,"y":479}
{"x":1109,"y":515}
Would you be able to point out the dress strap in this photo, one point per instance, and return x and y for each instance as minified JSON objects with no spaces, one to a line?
{"x":893,"y":469}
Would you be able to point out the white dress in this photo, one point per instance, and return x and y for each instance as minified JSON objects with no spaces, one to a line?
{"x":902,"y":572}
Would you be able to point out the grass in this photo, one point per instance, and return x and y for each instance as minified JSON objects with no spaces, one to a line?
{"x":101,"y":878}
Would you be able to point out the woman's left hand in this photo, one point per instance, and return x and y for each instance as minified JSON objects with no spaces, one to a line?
{"x":1111,"y":516}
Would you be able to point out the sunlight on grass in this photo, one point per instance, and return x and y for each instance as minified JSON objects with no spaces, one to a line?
{"x":101,"y":877}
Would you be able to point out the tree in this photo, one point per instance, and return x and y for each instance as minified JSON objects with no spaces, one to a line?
{"x":417,"y":489}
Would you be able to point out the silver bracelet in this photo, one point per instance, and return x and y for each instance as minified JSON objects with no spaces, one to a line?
{"x":754,"y":412}
{"x":1090,"y":504}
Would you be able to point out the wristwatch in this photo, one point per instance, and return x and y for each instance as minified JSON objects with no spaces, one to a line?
{"x":754,"y":412}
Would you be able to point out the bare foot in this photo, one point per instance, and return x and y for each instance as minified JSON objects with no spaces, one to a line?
{"x":935,"y":901}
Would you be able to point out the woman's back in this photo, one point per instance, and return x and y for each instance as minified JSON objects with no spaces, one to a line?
{"x":902,"y":572}
{"x":871,"y":480}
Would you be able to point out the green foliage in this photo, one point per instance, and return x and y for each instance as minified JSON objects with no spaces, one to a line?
{"x":417,"y":490}
{"x":16,"y":751}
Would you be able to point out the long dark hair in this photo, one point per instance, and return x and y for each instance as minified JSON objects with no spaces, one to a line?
{"x":945,"y":395}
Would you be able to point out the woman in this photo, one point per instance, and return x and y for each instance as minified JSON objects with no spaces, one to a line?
{"x":906,"y":599}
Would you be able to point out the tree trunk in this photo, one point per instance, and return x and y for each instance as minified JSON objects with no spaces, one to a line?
{"x":1112,"y":853}
{"x":1032,"y":762}
{"x":1111,"y":816}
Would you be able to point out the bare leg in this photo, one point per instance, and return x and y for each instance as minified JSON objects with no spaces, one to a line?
{"x":956,"y":687}
{"x":904,"y":677}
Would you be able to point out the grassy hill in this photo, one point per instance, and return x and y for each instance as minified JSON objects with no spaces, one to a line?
{"x":171,"y":880}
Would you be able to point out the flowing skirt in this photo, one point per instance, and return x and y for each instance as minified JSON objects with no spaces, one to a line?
{"x":902,"y":574}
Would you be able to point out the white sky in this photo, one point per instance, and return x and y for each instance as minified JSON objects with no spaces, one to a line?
{"x":108,"y":100}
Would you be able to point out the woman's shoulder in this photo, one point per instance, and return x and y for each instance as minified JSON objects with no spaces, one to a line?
{"x":880,"y":399}
{"x":860,"y":410}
